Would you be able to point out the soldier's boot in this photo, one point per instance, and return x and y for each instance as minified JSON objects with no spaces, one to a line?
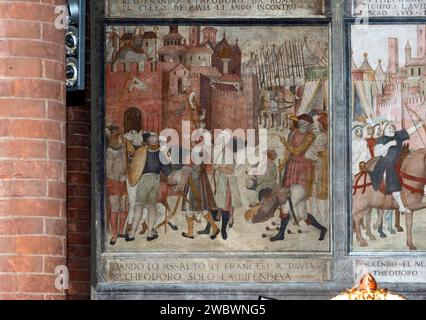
{"x":216,"y":214}
{"x":208,"y":225}
{"x":144,"y":228}
{"x":402,"y":208}
{"x":312,"y":221}
{"x":152,"y":218}
{"x":225,"y":220}
{"x":206,"y":230}
{"x":281,"y":232}
{"x":190,"y":233}
{"x":130,"y":236}
{"x":211,"y":219}
{"x":173,"y":226}
{"x":114,"y":227}
{"x":122,"y":218}
{"x":231,"y":221}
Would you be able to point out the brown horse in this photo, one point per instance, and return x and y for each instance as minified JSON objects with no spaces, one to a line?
{"x":413,"y":174}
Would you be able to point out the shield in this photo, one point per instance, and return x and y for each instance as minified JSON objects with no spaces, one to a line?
{"x":251,"y":183}
{"x":137,"y":166}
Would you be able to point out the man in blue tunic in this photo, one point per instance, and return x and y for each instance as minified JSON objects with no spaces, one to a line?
{"x":389,"y":148}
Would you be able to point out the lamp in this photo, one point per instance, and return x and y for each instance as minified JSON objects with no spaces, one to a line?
{"x":368,"y":290}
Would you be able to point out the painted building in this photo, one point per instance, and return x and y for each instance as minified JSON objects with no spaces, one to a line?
{"x":155,"y":87}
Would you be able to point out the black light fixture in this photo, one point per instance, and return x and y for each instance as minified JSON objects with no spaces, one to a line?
{"x":75,"y":45}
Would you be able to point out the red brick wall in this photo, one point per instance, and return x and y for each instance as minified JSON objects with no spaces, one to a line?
{"x":230,"y":110}
{"x":78,"y":199}
{"x":32,"y":150}
{"x":78,"y":184}
{"x":251,"y":92}
{"x":119,"y":99}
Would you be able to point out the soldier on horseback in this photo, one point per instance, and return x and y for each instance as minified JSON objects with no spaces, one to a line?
{"x":389,"y":148}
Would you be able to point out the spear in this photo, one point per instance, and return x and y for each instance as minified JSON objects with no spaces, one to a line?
{"x":283,"y":70}
{"x":262,"y":68}
{"x":271,"y":63}
{"x":256,"y":59}
{"x":296,"y":58}
{"x":291,"y":62}
{"x":268,"y":68}
{"x":303,"y":58}
{"x":277,"y":65}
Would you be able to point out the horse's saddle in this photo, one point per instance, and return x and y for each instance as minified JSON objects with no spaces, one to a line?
{"x":367,"y":168}
{"x":370,"y":165}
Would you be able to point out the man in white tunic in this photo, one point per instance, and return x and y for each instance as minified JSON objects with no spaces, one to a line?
{"x":360,"y":152}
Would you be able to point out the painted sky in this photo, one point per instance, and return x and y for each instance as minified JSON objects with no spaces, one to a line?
{"x":374,"y":40}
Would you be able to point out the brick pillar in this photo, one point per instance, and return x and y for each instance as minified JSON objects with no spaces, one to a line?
{"x":32,"y":150}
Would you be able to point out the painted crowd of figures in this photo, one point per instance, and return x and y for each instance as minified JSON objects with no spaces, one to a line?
{"x":138,"y":181}
{"x":387,"y":176}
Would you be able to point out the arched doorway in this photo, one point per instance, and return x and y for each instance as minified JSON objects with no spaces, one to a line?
{"x":132,"y":120}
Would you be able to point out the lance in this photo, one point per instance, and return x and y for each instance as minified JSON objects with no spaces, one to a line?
{"x":274,"y":71}
{"x":283,"y":69}
{"x":277,"y":64}
{"x":302,"y":57}
{"x":291,"y":62}
{"x":296,"y":57}
{"x":270,"y":71}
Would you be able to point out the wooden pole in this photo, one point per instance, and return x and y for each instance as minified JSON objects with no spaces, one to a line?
{"x":302,"y":61}
{"x":277,"y":65}
{"x":283,"y":67}
{"x":291,"y":67}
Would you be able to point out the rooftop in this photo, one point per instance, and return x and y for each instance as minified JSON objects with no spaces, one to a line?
{"x":365,"y":66}
{"x":230,"y":77}
{"x":172,"y":48}
{"x":168,"y":66}
{"x":173,"y":35}
{"x":149,"y":35}
{"x":225,"y":87}
{"x":206,"y":71}
{"x":199,"y":49}
{"x":417,"y":62}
